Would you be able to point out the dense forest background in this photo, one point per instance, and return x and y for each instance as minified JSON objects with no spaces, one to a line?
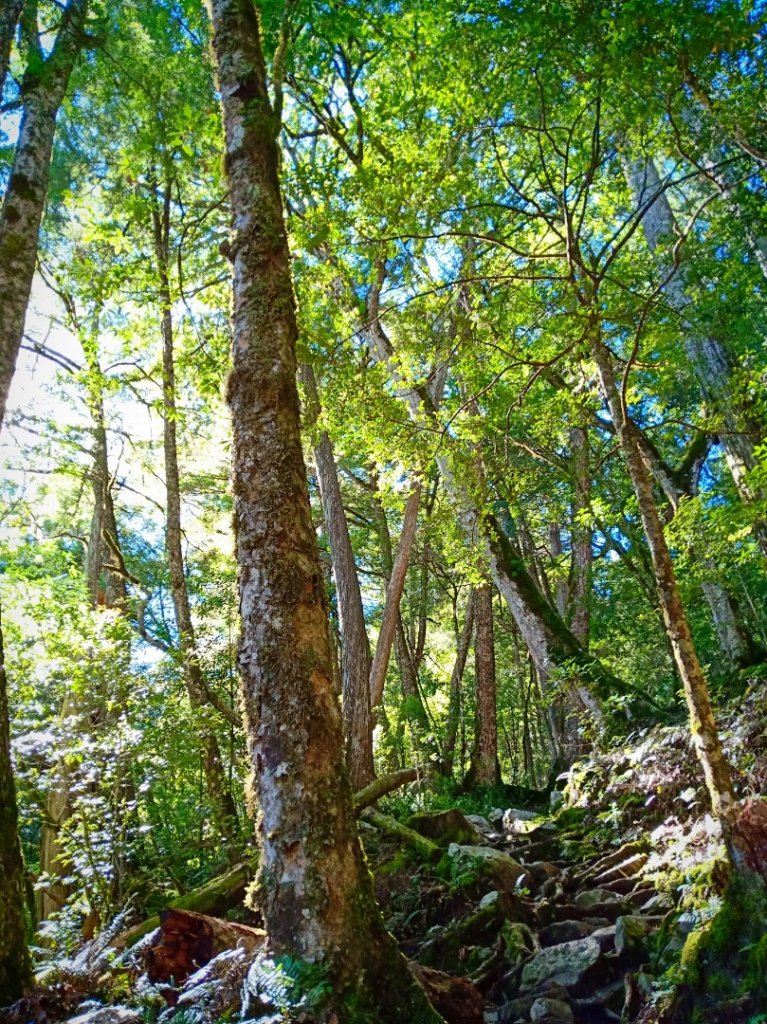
{"x":528,"y":245}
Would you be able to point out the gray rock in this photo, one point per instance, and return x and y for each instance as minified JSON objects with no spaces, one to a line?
{"x":605,"y":937}
{"x":556,"y":799}
{"x":558,"y":932}
{"x":565,"y":964}
{"x":594,"y":897}
{"x":660,"y":903}
{"x":444,"y":827}
{"x":553,"y":1011}
{"x":489,"y":900}
{"x":107,"y":1015}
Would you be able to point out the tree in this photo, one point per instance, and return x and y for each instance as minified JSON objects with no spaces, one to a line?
{"x":315,"y":891}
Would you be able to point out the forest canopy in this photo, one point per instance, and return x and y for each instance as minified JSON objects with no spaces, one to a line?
{"x":384,"y":449}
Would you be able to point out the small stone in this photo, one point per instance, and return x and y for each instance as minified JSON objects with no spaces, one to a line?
{"x":107,"y":1015}
{"x":558,"y":932}
{"x":489,"y":900}
{"x":605,"y":937}
{"x":660,"y":903}
{"x":504,"y":871}
{"x":552,"y":1011}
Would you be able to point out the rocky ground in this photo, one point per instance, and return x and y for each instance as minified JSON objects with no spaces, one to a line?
{"x":609,"y":904}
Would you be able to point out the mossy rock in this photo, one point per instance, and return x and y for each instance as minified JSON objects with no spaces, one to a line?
{"x":445,"y":827}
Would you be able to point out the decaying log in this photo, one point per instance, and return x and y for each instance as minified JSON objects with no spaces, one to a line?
{"x":188,"y":941}
{"x":425,"y":849}
{"x":381,"y":786}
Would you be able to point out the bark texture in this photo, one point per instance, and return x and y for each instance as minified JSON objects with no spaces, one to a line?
{"x":315,"y":891}
{"x":355,"y":647}
{"x":42,"y":91}
{"x":485,"y":769}
{"x":9,"y":19}
{"x":703,"y":727}
{"x":582,"y":559}
{"x":222,"y":803}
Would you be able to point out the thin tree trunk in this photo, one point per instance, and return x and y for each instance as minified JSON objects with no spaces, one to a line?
{"x":704,"y":732}
{"x":456,"y":677}
{"x":355,"y":647}
{"x":484,"y":770}
{"x":222,"y":802}
{"x":394,"y":591}
{"x":315,"y":890}
{"x":582,"y":557}
{"x":740,"y":434}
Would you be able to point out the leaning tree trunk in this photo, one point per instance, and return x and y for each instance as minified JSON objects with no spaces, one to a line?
{"x":485,"y":769}
{"x":355,"y":646}
{"x":42,"y":92}
{"x":222,"y":803}
{"x":740,"y":433}
{"x":704,"y":732}
{"x":315,"y":891}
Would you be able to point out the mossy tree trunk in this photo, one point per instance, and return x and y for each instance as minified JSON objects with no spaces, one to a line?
{"x":315,"y":890}
{"x":485,"y":769}
{"x":704,"y":732}
{"x":456,"y":677}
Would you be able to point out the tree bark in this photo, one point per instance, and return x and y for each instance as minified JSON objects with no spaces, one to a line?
{"x":42,"y":91}
{"x":9,"y":19}
{"x":315,"y":891}
{"x":703,"y":727}
{"x":355,"y":647}
{"x":222,"y":803}
{"x":485,"y":769}
{"x":740,"y":434}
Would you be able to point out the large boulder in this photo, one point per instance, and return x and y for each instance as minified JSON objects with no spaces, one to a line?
{"x":565,"y":964}
{"x":445,"y":827}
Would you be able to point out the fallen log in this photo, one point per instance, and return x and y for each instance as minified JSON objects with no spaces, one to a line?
{"x":216,"y":896}
{"x":188,"y":941}
{"x":225,"y":891}
{"x":425,"y":849}
{"x":381,"y":786}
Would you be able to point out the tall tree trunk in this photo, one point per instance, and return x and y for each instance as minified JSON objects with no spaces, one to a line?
{"x":484,"y":769}
{"x":740,"y":434}
{"x":456,"y":676}
{"x":582,"y":557}
{"x":42,"y":91}
{"x":704,"y":732}
{"x":394,"y":591}
{"x":222,"y":803}
{"x":315,"y":890}
{"x":355,"y":646}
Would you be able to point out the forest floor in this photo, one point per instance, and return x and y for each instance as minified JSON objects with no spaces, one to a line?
{"x":611,"y":903}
